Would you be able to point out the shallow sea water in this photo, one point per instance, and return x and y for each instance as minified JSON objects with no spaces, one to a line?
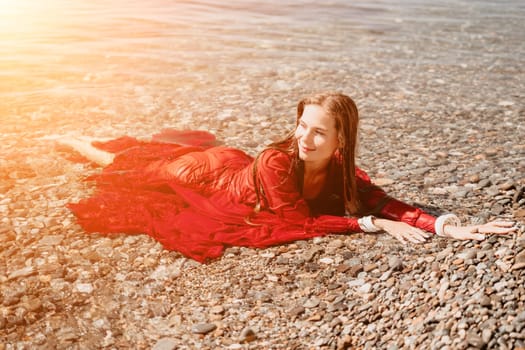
{"x":113,"y":67}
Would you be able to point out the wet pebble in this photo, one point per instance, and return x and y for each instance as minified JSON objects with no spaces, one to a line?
{"x":247,"y":335}
{"x":166,"y":344}
{"x":203,"y":328}
{"x":395,"y":263}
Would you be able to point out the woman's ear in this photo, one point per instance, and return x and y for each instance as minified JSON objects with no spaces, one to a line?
{"x":341,"y":141}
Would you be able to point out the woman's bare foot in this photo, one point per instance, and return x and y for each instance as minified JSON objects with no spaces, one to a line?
{"x":83,"y":146}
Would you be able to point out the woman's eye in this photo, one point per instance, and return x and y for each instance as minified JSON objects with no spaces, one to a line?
{"x":319,"y":132}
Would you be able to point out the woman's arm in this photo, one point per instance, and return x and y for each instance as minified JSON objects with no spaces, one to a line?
{"x":376,"y":202}
{"x":408,"y":223}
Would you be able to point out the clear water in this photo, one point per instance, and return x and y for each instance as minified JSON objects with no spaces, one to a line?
{"x":101,"y":63}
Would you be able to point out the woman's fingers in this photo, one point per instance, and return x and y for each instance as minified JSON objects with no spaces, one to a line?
{"x":497,"y":227}
{"x":501,"y":223}
{"x":400,"y":238}
{"x":496,"y":230}
{"x":415,"y":236}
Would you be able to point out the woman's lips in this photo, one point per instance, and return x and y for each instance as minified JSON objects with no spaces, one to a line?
{"x":305,"y":149}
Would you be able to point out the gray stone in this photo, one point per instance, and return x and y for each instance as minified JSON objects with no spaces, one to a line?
{"x":520,"y":317}
{"x":311,"y":303}
{"x":166,"y":344}
{"x":395,"y":263}
{"x":442,"y":255}
{"x":22,"y":273}
{"x":468,"y":254}
{"x":296,"y":311}
{"x":247,"y":335}
{"x":203,"y":328}
{"x":51,"y":240}
{"x":486,"y":335}
{"x":475,"y":340}
{"x":484,"y":300}
{"x":365,"y":288}
{"x":218,"y":309}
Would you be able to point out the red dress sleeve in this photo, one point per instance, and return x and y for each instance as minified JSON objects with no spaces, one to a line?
{"x":283,"y":197}
{"x":377,"y":202}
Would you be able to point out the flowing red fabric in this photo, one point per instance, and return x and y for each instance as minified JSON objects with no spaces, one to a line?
{"x":199,"y":199}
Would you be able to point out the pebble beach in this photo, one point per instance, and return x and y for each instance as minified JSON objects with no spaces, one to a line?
{"x":440,"y":90}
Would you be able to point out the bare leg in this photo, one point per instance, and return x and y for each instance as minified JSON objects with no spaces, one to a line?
{"x":85,"y":148}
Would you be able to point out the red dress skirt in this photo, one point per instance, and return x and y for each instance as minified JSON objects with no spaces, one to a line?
{"x":199,"y":199}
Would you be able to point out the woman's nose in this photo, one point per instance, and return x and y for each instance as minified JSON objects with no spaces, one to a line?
{"x":307,"y":137}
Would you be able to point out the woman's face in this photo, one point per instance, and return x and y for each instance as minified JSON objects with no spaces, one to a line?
{"x":316,"y":135}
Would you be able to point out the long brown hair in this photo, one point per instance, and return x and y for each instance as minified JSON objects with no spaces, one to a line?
{"x":343,"y":109}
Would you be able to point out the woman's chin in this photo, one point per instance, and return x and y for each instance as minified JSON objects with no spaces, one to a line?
{"x":303,"y":156}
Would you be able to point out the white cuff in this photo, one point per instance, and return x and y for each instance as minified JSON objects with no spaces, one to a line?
{"x":366,"y":224}
{"x":447,"y":219}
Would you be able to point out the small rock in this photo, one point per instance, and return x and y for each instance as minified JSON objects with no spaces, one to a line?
{"x":84,"y":287}
{"x":486,"y":335}
{"x":23,"y":272}
{"x":296,"y":311}
{"x":520,"y":258}
{"x":497,"y":209}
{"x":474,"y":178}
{"x":483,"y":183}
{"x":444,"y":253}
{"x":355,"y":269}
{"x":336,"y":244}
{"x":218,"y":309}
{"x":369,"y":267}
{"x":520,"y":317}
{"x":342,"y":268}
{"x":502,"y":265}
{"x":51,"y":240}
{"x":356,"y":283}
{"x":501,"y":285}
{"x":484,"y":300}
{"x":383,"y":182}
{"x":502,"y":252}
{"x":468,"y":254}
{"x":390,"y":282}
{"x":458,"y":261}
{"x":280,"y":270}
{"x":203,"y":328}
{"x":247,"y":335}
{"x":443,"y":289}
{"x":161,"y":308}
{"x":166,"y":344}
{"x":327,"y":261}
{"x":475,"y":340}
{"x":311,"y":303}
{"x":395,"y":263}
{"x":507,"y":186}
{"x":520,"y":213}
{"x":33,"y":304}
{"x":365,"y":288}
{"x":386,"y":275}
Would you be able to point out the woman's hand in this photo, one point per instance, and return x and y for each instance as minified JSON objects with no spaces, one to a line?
{"x":402,"y":231}
{"x":479,"y":232}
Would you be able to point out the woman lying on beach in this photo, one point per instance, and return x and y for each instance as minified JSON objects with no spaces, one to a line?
{"x":198,"y":199}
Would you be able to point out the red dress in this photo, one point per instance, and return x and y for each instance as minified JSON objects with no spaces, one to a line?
{"x":198,"y":199}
